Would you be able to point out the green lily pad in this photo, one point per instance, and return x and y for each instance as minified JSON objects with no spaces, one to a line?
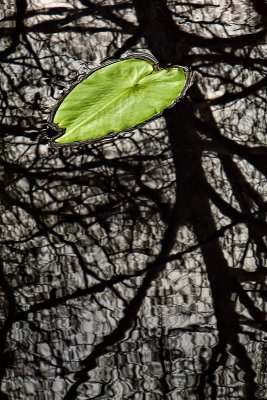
{"x":117,"y":97}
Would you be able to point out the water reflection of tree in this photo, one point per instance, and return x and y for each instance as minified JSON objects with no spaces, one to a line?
{"x":116,"y":257}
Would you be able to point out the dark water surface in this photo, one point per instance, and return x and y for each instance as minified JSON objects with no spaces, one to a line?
{"x":134,"y":268}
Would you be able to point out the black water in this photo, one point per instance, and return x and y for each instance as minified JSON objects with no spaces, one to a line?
{"x":134,"y":268}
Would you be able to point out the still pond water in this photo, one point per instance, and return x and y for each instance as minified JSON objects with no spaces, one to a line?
{"x":134,"y":268}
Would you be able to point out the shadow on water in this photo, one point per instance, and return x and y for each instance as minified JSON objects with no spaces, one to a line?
{"x":134,"y":268}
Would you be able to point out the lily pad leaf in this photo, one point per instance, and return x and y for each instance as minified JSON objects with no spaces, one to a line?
{"x":117,"y":97}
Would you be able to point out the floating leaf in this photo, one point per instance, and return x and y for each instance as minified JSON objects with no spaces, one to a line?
{"x":117,"y":97}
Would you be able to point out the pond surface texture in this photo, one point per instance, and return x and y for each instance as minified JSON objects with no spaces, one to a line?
{"x":134,"y":268}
